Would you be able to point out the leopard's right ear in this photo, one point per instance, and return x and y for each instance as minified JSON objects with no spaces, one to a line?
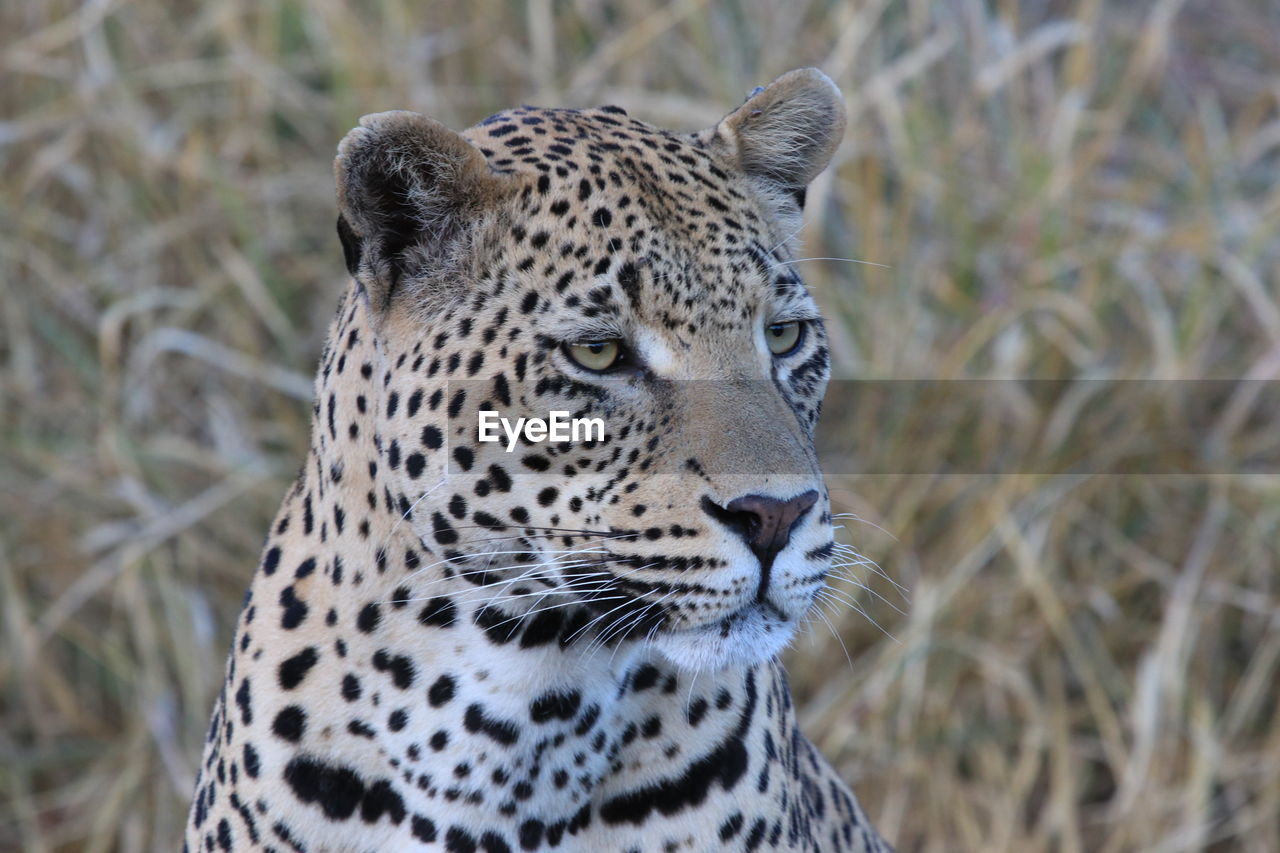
{"x":408,"y":188}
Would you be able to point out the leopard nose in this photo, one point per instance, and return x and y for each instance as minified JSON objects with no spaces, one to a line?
{"x":764,"y":523}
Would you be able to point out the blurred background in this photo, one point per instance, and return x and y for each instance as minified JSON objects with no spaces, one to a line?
{"x":1053,"y":189}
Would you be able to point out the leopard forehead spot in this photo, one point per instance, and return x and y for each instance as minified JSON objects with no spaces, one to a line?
{"x":563,"y":645}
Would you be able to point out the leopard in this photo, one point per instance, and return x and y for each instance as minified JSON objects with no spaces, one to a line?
{"x":548,"y":642}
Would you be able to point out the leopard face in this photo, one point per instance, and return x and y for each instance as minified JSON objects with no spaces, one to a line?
{"x":592,"y":264}
{"x":483,"y":645}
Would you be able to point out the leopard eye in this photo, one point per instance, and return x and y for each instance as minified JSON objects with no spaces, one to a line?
{"x":784,"y":338}
{"x":595,"y":355}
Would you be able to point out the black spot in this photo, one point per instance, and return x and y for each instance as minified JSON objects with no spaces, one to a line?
{"x":457,"y":840}
{"x":502,"y":731}
{"x":646,"y":676}
{"x":381,"y":799}
{"x":293,"y":670}
{"x":290,"y":724}
{"x":360,"y":728}
{"x":295,"y":610}
{"x":439,"y":613}
{"x":545,"y":628}
{"x":414,"y":465}
{"x":337,"y":790}
{"x":730,"y":827}
{"x":536,"y":462}
{"x":270,"y":561}
{"x":251,"y":763}
{"x":369,"y":618}
{"x":242,"y":701}
{"x":555,"y":706}
{"x":531,"y":834}
{"x":431,"y":438}
{"x":491,"y":842}
{"x":497,"y":625}
{"x":402,"y":671}
{"x":442,"y":691}
{"x":445,"y":534}
{"x":424,"y":829}
{"x":398,"y":720}
{"x":483,"y":519}
{"x":350,"y":687}
{"x":455,"y":404}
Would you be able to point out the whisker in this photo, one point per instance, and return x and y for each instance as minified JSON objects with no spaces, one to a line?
{"x":490,"y":555}
{"x":849,"y":578}
{"x":846,"y":260}
{"x":553,"y":531}
{"x":571,"y":637}
{"x":784,"y":241}
{"x":857,"y":609}
{"x":860,"y":560}
{"x":853,"y":516}
{"x":392,"y":532}
{"x":839,"y":639}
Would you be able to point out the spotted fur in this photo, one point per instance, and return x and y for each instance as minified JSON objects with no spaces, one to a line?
{"x":569,"y":646}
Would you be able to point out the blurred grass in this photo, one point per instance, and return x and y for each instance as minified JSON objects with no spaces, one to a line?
{"x":1057,"y":189}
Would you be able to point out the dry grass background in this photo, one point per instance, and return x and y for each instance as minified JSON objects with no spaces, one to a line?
{"x":1058,"y":189}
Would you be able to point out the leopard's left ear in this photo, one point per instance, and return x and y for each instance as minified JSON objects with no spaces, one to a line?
{"x":787,"y":131}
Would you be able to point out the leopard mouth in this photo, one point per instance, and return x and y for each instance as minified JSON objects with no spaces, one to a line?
{"x":768,"y":615}
{"x":752,"y":634}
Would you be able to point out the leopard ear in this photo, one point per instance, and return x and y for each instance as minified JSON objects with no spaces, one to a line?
{"x":408,"y":188}
{"x":787,"y":131}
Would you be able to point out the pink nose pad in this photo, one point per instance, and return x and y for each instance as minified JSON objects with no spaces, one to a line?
{"x":764,"y":523}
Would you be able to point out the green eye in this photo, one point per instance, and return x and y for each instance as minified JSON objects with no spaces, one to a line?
{"x":784,"y":338}
{"x":595,"y":355}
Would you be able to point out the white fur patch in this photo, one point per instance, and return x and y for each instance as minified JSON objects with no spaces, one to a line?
{"x":655,"y":352}
{"x":752,"y":636}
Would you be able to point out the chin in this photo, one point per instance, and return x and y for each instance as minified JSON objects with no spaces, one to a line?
{"x":749,"y":636}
